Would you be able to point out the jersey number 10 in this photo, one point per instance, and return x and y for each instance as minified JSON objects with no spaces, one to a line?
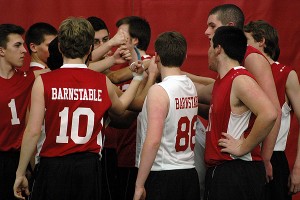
{"x":63,"y":138}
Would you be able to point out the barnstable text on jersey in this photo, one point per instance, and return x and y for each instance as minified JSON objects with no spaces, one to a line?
{"x":76,"y":94}
{"x":186,"y":102}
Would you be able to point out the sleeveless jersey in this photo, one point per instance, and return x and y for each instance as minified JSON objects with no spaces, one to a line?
{"x":14,"y":100}
{"x":36,"y":66}
{"x":221,"y":119}
{"x":178,"y":138}
{"x":76,"y":100}
{"x":280,"y":74}
{"x":250,"y":50}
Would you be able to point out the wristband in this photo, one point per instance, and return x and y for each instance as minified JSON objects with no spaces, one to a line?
{"x":138,"y":77}
{"x":130,"y":66}
{"x":135,"y":75}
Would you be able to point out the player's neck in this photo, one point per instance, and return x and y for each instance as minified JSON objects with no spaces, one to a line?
{"x":169,"y":71}
{"x":73,"y":61}
{"x":35,"y":58}
{"x":225,"y":66}
{"x":6,"y":70}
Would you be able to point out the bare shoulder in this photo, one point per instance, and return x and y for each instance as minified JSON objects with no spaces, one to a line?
{"x":156,"y":93}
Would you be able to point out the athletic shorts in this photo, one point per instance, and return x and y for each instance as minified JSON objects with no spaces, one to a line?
{"x":109,"y":174}
{"x":235,"y":179}
{"x":182,"y":184}
{"x":8,"y":166}
{"x":71,"y":177}
{"x":277,"y":189}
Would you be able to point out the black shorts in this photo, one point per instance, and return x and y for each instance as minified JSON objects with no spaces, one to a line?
{"x":236,"y":179}
{"x":71,"y":177}
{"x":8,"y":166}
{"x":109,"y":166}
{"x":181,"y":184}
{"x":277,"y":189}
{"x":126,"y":179}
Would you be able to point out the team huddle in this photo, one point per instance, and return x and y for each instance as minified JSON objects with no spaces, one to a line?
{"x":72,"y":128}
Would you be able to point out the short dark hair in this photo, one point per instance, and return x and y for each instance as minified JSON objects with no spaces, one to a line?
{"x":171,"y":48}
{"x":37,"y":32}
{"x":7,"y":29}
{"x":138,"y":28}
{"x":97,"y":23}
{"x":55,"y":59}
{"x":261,"y":29}
{"x":229,"y":13}
{"x":232,"y":40}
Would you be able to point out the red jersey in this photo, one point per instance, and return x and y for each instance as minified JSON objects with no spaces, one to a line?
{"x":14,"y":100}
{"x":280,"y":74}
{"x":221,"y":119}
{"x":36,"y":66}
{"x":76,"y":100}
{"x":250,"y":50}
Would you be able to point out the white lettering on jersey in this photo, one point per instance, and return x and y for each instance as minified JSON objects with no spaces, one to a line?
{"x":76,"y":94}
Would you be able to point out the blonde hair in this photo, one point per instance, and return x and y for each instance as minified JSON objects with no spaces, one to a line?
{"x":75,"y":37}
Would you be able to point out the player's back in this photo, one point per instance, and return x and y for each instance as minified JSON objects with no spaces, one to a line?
{"x":176,"y":149}
{"x":76,"y":99}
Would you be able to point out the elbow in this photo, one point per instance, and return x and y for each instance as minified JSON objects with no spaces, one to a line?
{"x":113,"y":78}
{"x":273,"y":116}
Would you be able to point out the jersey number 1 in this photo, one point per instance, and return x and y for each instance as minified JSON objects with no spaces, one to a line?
{"x":13,"y":110}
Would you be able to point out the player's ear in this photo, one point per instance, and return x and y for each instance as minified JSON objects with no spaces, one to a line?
{"x":135,"y":41}
{"x":2,"y":50}
{"x":157,"y":58}
{"x":32,"y":47}
{"x":231,"y":24}
{"x":218,"y":49}
{"x":262,"y":43}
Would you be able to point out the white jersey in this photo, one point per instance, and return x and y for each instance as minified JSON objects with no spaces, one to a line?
{"x":284,"y":128}
{"x":199,"y":155}
{"x":178,"y":138}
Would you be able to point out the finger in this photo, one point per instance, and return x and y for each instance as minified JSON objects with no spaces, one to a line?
{"x":267,"y":179}
{"x":18,"y":194}
{"x":292,"y":189}
{"x":27,"y":192}
{"x":226,"y":135}
{"x":223,"y":140}
{"x":128,"y":58}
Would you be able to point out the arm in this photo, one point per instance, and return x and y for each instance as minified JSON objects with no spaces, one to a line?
{"x":153,"y":73}
{"x":39,"y":72}
{"x":136,"y":105}
{"x":120,"y":104}
{"x":261,"y":70}
{"x":204,"y":97}
{"x":199,"y":79}
{"x":157,"y":108}
{"x":30,"y":137}
{"x":125,"y":73}
{"x":118,"y":39}
{"x":293,"y":94}
{"x":120,"y":75}
{"x":204,"y":92}
{"x":246,"y":94}
{"x":120,"y":56}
